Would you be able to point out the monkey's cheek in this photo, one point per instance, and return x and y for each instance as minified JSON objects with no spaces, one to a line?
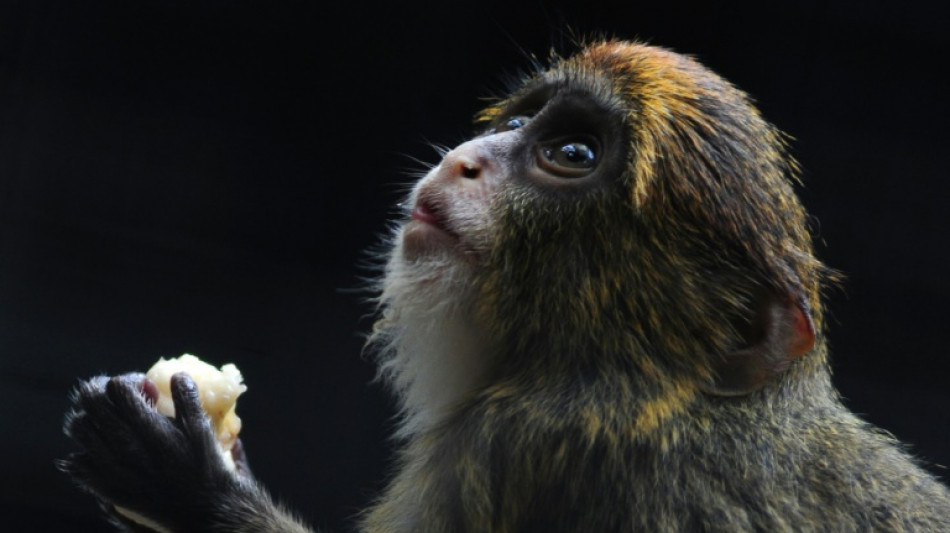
{"x":421,"y":239}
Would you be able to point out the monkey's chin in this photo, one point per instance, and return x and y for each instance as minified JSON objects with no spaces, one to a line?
{"x":422,"y":239}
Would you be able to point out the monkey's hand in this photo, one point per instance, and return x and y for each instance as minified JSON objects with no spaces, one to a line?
{"x":167,"y":471}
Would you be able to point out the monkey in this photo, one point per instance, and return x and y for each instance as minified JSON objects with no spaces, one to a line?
{"x":601,"y":313}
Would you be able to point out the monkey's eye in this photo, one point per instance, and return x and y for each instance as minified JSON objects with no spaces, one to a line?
{"x":514,"y":123}
{"x":569,"y":159}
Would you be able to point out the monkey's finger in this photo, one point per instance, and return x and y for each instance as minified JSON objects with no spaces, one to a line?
{"x":88,"y":390}
{"x":103,"y":394}
{"x":140,"y":383}
{"x":90,"y":470}
{"x":127,"y":393}
{"x":106,"y":441}
{"x":185,"y":395}
{"x":94,"y":384}
{"x":79,"y":467}
{"x":95,"y":473}
{"x":114,"y":423}
{"x":95,"y":422}
{"x":189,"y":414}
{"x":93,"y":425}
{"x":84,"y":430}
{"x":145,"y":424}
{"x":76,"y":467}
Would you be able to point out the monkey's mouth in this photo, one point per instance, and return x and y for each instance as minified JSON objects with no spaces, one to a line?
{"x":432,"y":214}
{"x":428,"y":230}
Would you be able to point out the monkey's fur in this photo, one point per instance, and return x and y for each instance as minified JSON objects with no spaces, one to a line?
{"x":634,"y":344}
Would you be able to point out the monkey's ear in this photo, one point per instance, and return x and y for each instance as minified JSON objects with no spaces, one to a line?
{"x":779,"y":332}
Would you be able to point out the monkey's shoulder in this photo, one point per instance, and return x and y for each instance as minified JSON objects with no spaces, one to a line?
{"x":566,"y":464}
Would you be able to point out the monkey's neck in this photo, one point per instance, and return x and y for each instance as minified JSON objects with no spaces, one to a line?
{"x":433,"y":359}
{"x":439,"y":357}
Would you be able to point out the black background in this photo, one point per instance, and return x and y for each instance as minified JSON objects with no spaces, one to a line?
{"x":205,"y":177}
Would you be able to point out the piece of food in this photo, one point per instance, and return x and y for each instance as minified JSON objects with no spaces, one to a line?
{"x":218,"y":390}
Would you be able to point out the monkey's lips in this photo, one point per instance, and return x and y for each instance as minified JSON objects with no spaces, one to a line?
{"x":429,"y":213}
{"x":427,"y":230}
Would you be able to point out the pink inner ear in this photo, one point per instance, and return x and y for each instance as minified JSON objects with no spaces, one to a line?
{"x":803,"y":334}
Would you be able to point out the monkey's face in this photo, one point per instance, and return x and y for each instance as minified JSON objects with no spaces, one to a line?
{"x":553,"y":146}
{"x":526,"y":219}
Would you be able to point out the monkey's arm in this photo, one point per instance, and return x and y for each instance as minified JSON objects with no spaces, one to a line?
{"x":165,"y":471}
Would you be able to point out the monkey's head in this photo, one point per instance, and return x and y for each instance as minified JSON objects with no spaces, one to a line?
{"x":626,"y":208}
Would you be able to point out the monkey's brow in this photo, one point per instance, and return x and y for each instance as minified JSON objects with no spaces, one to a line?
{"x":568,"y":85}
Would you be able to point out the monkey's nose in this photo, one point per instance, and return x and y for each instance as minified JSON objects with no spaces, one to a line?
{"x":466,"y":167}
{"x":469,"y":170}
{"x":468,"y":163}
